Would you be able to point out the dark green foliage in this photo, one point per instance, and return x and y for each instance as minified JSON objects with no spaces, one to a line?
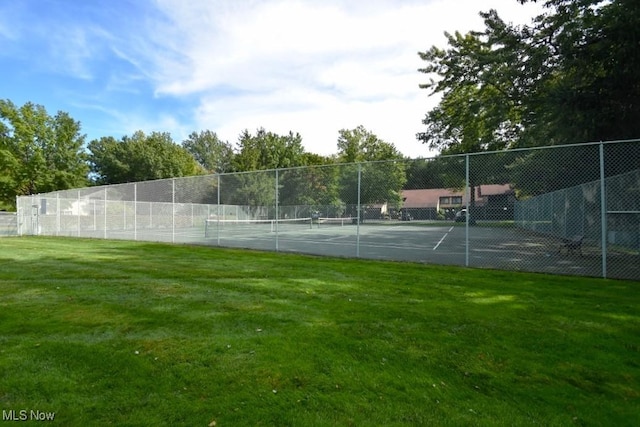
{"x":140,"y":157}
{"x":39,"y":153}
{"x":572,"y":75}
{"x":381,"y":182}
{"x":312,"y":186}
{"x":267,"y":150}
{"x":214,"y":155}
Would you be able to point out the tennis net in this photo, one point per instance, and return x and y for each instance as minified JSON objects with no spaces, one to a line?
{"x":214,"y":227}
{"x":340,"y":222}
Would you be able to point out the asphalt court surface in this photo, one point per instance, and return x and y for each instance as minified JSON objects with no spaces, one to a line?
{"x":507,"y":248}
{"x":445,"y":243}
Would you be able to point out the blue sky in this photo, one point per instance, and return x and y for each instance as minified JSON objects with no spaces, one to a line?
{"x":179,"y":66}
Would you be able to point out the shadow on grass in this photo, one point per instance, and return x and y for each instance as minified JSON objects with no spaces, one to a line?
{"x":177,"y":335}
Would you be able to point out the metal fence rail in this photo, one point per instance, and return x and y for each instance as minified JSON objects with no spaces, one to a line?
{"x":566,"y":209}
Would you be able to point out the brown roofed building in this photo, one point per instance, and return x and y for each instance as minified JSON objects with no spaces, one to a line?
{"x":492,"y":201}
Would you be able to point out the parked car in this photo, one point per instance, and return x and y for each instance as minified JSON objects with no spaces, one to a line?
{"x":461,"y":216}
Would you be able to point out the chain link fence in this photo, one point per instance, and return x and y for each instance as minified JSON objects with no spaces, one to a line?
{"x":8,"y":224}
{"x":563,"y":210}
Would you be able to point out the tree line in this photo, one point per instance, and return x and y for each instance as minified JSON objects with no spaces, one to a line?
{"x":572,"y":75}
{"x":41,"y":153}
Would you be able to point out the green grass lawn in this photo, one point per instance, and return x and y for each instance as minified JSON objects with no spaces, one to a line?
{"x":130,"y":333}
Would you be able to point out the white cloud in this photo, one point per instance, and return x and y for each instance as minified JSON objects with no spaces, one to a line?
{"x":73,"y":47}
{"x":308,"y":66}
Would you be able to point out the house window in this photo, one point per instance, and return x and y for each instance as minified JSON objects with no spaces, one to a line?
{"x":456,"y":200}
{"x":444,"y":200}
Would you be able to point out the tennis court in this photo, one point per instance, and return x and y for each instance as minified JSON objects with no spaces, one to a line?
{"x":489,"y":246}
{"x":485,"y":245}
{"x":521,"y":220}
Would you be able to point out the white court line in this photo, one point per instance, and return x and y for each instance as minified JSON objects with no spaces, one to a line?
{"x":443,"y":237}
{"x":441,"y":240}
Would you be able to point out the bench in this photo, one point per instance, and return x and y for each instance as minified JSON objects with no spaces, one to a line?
{"x":572,"y":245}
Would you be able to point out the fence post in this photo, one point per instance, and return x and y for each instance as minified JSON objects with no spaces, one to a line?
{"x":218,"y":214}
{"x":466,"y":227}
{"x":565,"y":233}
{"x":57,"y":214}
{"x":358,"y":212}
{"x":35,"y":211}
{"x":78,"y":213}
{"x":173,"y":210}
{"x":105,"y":212}
{"x":277,"y":213}
{"x":603,"y":213}
{"x":135,"y":211}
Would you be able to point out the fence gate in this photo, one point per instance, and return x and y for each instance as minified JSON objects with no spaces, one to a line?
{"x":34,"y":219}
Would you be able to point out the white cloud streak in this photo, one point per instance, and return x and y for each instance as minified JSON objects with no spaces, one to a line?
{"x":312,"y":67}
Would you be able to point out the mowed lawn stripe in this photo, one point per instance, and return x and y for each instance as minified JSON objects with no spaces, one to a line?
{"x":117,"y":332}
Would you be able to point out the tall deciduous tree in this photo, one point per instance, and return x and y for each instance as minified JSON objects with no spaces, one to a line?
{"x":473,"y":115}
{"x":381,"y":181}
{"x":572,"y":75}
{"x":38,"y":152}
{"x":268,"y":150}
{"x":315,"y":187}
{"x":441,"y":172}
{"x":214,"y":155}
{"x":590,"y":67}
{"x":140,"y":157}
{"x":263,"y":151}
